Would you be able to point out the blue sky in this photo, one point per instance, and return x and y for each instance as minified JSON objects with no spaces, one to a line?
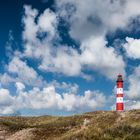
{"x":63,"y":57}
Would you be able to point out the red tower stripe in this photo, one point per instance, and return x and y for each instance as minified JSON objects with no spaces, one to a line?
{"x":119,"y":106}
{"x":120,"y":85}
{"x":119,"y":95}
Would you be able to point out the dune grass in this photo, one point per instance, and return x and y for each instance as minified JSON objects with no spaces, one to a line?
{"x":102,"y":125}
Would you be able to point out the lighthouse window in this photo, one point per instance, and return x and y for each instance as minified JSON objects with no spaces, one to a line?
{"x":119,"y":90}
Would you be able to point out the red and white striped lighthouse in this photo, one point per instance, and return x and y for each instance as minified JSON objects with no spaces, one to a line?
{"x":119,"y":95}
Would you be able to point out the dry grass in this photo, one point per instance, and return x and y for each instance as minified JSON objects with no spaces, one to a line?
{"x":103,"y":125}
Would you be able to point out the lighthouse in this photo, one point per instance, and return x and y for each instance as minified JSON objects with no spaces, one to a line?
{"x":119,"y":94}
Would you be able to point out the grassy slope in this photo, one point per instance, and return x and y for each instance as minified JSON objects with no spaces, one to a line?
{"x":102,"y":125}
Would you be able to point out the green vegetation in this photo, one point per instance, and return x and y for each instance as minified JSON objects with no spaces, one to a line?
{"x":99,"y":125}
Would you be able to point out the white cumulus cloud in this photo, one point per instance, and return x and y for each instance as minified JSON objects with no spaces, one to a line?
{"x":132,"y":104}
{"x":132,"y":48}
{"x":97,"y":17}
{"x":49,"y":98}
{"x":18,"y":71}
{"x":6,"y":101}
{"x":95,"y":55}
{"x":20,"y":86}
{"x":134,"y":88}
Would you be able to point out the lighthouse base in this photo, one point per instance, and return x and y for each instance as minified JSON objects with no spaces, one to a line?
{"x":119,"y":107}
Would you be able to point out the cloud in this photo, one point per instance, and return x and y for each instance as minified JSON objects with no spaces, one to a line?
{"x":31,"y":28}
{"x":45,"y":26}
{"x":132,"y":104}
{"x":97,"y":17}
{"x":61,"y":59}
{"x":18,"y":71}
{"x":93,"y":56}
{"x":48,"y":98}
{"x":132,"y":48}
{"x":132,"y":94}
{"x":48,"y":25}
{"x":133,"y":91}
{"x":20,"y":86}
{"x":6,"y":100}
{"x":66,"y":87}
{"x":65,"y":59}
{"x":6,"y":79}
{"x":96,"y":55}
{"x":24,"y":73}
